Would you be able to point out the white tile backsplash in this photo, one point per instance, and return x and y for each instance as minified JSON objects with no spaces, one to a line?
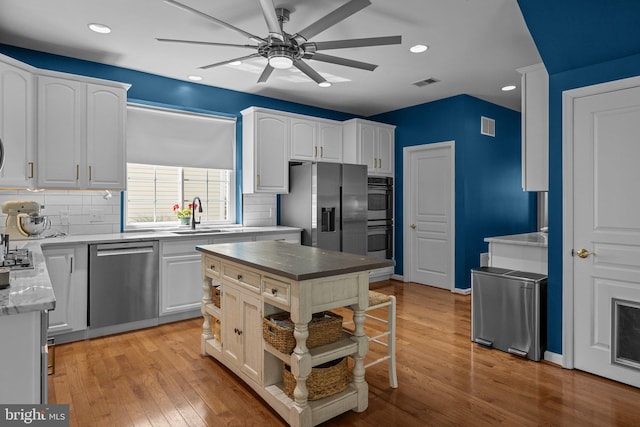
{"x":72,"y":212}
{"x":259,"y":210}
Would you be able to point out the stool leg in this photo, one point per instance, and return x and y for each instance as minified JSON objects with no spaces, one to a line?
{"x":393,"y":378}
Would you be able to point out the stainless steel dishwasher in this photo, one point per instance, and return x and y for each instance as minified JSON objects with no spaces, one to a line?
{"x":123,"y":286}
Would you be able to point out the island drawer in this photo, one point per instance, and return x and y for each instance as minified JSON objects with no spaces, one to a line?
{"x":276,"y":290}
{"x":212,"y":266}
{"x":241,"y":276}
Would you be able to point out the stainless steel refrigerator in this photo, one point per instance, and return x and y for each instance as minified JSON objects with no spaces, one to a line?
{"x":329,"y":202}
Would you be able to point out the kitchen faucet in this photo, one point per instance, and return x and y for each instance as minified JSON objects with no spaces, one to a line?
{"x":193,"y":211}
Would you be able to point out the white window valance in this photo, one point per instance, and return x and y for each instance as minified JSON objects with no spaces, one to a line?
{"x":157,"y":136}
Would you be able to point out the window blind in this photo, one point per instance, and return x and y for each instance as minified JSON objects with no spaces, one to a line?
{"x":179,"y":138}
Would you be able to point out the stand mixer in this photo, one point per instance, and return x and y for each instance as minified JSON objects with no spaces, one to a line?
{"x":24,"y":220}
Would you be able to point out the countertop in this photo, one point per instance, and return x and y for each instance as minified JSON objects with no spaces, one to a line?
{"x":31,"y":290}
{"x":527,"y":239}
{"x":295,"y":262}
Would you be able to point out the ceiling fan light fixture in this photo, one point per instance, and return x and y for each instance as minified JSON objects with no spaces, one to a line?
{"x":280,"y":60}
{"x":324,"y":84}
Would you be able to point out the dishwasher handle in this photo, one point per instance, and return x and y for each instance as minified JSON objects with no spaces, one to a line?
{"x":118,"y":252}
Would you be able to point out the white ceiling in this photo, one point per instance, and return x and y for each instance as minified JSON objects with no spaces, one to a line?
{"x":475,"y":46}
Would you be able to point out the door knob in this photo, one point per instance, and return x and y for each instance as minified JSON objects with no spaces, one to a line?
{"x":413,"y":226}
{"x":583,"y":253}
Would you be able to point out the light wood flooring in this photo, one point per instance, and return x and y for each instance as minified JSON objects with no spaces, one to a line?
{"x":157,"y":377}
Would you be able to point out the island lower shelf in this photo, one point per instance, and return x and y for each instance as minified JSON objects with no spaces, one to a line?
{"x":232,"y":331}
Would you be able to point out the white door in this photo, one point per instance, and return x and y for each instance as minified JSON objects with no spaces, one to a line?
{"x":429,"y":214}
{"x":606,"y":232}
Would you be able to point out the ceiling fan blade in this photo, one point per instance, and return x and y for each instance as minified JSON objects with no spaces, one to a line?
{"x":271,"y":18}
{"x":265,"y":74}
{"x":248,"y":46}
{"x":214,"y":20}
{"x":331,"y":19}
{"x":341,"y":61}
{"x":310,"y":72}
{"x":371,"y":41}
{"x":243,"y":58}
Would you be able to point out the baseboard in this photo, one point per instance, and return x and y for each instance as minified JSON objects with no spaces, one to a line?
{"x":461,"y":291}
{"x":399,"y":277}
{"x":553,"y":358}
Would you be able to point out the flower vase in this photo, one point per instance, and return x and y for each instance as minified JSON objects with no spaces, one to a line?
{"x":185,"y":220}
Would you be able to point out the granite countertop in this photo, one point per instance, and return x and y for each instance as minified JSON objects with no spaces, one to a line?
{"x":133,"y":235}
{"x":29,"y":290}
{"x":527,"y":239}
{"x":295,"y":262}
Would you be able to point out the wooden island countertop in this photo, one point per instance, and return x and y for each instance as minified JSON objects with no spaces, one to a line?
{"x":293,"y":261}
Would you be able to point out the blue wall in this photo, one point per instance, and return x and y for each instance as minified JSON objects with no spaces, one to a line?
{"x":489,"y":197}
{"x":162,"y":91}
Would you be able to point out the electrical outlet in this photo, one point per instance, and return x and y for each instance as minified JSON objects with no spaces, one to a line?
{"x":64,"y":217}
{"x":96,"y":215}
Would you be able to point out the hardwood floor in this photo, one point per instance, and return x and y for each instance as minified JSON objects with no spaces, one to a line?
{"x":157,"y":377}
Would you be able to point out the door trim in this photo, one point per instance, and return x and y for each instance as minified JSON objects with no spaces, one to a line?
{"x":408,"y":205}
{"x":568,"y":99}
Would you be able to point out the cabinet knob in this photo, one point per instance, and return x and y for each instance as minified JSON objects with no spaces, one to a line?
{"x":239,"y":276}
{"x":212,"y":267}
{"x":239,"y":331}
{"x":274,"y":291}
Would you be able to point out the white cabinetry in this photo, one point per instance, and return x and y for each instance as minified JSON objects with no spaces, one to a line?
{"x":81,"y":134}
{"x":265,"y":152}
{"x":242,"y":330}
{"x":67,"y":267}
{"x":315,"y":140}
{"x":371,"y":144}
{"x":535,"y":128}
{"x":180,"y":276}
{"x":17,"y":121}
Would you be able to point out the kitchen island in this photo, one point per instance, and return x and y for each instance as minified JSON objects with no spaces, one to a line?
{"x":259,"y":279}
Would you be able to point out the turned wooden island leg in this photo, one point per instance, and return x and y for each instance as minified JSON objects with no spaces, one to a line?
{"x":358,"y":366}
{"x":301,"y":369}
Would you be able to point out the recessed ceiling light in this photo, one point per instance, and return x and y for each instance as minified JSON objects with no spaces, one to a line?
{"x":419,"y":48}
{"x":195,"y":78}
{"x":508,"y":88}
{"x":324,"y":84}
{"x":235,"y":63}
{"x":99,"y":28}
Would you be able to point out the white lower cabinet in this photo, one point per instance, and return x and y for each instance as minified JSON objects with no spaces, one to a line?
{"x":67,"y":267}
{"x":180,"y":276}
{"x":242,"y":331}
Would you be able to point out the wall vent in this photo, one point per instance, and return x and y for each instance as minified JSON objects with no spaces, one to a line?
{"x":487,"y":126}
{"x":426,"y":82}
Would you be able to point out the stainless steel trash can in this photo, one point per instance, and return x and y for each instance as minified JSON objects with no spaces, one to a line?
{"x":509,"y":311}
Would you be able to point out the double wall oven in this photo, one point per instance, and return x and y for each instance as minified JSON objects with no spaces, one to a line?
{"x":380,"y":217}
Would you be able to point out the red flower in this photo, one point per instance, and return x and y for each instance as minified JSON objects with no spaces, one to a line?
{"x":176,"y":207}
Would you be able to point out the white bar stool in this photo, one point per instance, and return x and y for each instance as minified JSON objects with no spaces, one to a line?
{"x":379,"y":300}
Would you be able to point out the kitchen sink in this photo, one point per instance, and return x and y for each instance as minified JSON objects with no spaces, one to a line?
{"x":199,"y":231}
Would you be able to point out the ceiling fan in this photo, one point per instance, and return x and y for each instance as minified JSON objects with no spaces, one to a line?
{"x":283,"y":50}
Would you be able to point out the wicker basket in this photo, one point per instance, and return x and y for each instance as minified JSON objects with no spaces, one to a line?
{"x":324,"y":328}
{"x":324,"y":380}
{"x":215,"y":296}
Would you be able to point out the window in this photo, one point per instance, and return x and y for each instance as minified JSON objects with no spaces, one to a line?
{"x":152,"y":190}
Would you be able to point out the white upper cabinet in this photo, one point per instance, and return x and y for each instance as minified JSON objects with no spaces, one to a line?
{"x":535,"y":128}
{"x":60,"y":103}
{"x":17,"y":124}
{"x":81,"y":134}
{"x":317,"y":140}
{"x":106,"y":157}
{"x":265,"y":152}
{"x":371,"y":144}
